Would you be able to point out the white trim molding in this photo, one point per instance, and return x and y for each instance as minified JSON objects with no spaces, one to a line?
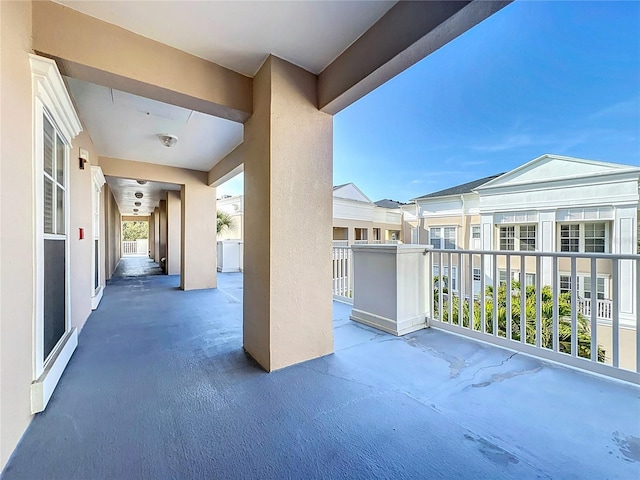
{"x":50,"y":88}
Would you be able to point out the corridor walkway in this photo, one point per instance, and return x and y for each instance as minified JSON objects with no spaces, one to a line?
{"x":160,"y":388}
{"x":136,"y":267}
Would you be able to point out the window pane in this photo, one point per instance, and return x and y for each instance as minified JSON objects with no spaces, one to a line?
{"x":48,"y":205}
{"x":450,"y":238}
{"x":565,"y":283}
{"x":530,"y":279}
{"x":507,"y":238}
{"x":528,"y":237}
{"x":60,"y":211}
{"x":570,"y":238}
{"x":48,"y":146}
{"x":60,"y":151}
{"x":475,"y":232}
{"x":434,"y":235}
{"x":476,"y":275}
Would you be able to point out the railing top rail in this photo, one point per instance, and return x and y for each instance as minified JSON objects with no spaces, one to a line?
{"x":526,"y":253}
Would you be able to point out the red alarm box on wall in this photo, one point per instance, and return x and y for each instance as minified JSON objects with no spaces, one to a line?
{"x":81,"y":233}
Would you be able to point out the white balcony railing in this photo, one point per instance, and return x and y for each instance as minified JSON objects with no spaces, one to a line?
{"x":403,"y":288}
{"x":342,"y":274}
{"x":604,"y":308}
{"x":135,"y":247}
{"x":547,"y":318}
{"x":341,"y":243}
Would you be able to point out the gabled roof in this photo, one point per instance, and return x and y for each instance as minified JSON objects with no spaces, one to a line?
{"x":349,"y":191}
{"x":387,"y":203}
{"x":460,"y":189}
{"x":549,"y":167}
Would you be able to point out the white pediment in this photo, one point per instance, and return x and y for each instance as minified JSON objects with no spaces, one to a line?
{"x":350,"y":192}
{"x":548,"y":168}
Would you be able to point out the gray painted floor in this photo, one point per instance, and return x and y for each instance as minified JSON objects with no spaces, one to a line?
{"x":160,"y":387}
{"x":135,"y":267}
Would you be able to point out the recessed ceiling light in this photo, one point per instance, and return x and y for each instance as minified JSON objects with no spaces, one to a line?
{"x":142,"y":182}
{"x":137,"y":204}
{"x":139,"y":195}
{"x":167,"y":140}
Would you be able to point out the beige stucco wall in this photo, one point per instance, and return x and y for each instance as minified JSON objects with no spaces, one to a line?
{"x":81,"y":216}
{"x":16,"y":225}
{"x":113,"y":237}
{"x":627,"y":353}
{"x":174,"y":232}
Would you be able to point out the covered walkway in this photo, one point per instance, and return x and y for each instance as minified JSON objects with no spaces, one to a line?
{"x":161,"y":388}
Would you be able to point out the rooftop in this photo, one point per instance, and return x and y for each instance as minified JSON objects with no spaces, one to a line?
{"x":460,"y":189}
{"x":161,"y":387}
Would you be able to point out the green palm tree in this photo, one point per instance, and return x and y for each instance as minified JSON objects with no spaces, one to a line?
{"x":224,"y":221}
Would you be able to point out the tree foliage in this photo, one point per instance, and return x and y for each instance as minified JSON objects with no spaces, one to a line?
{"x":224,"y":221}
{"x":135,"y":230}
{"x":496,"y":306}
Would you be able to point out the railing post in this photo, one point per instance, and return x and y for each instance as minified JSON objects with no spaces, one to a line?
{"x":389,"y":287}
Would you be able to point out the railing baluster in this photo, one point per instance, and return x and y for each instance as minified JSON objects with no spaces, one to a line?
{"x":538,"y":302}
{"x":483,"y":327}
{"x":523,"y":299}
{"x":637,"y":267}
{"x":594,"y":311}
{"x":508,"y":285}
{"x":450,"y":270}
{"x":556,"y":306}
{"x":461,"y":289}
{"x":574,"y":308}
{"x":471,"y":292}
{"x":440,"y":287}
{"x":615,"y":320}
{"x":496,"y":284}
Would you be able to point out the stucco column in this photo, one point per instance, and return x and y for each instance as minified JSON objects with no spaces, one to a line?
{"x":174,"y":232}
{"x":198,"y":249}
{"x":162,"y":220}
{"x":156,"y":235}
{"x":152,"y":235}
{"x":288,"y":190}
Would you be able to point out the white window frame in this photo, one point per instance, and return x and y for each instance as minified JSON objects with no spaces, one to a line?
{"x":443,"y":230}
{"x":581,"y":283}
{"x":476,"y":232}
{"x":453,"y":279}
{"x":517,"y":237}
{"x":97,"y":183}
{"x":582,"y":235}
{"x":51,"y":100}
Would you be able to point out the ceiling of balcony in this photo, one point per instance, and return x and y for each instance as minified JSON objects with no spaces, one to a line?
{"x":126,"y":126}
{"x":240,"y":35}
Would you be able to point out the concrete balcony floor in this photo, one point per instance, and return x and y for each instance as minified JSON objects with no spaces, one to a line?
{"x":160,"y":387}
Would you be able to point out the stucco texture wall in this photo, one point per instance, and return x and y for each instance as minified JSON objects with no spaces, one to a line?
{"x":16,"y":224}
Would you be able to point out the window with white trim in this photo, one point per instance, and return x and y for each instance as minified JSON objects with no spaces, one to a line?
{"x":443,"y":237}
{"x":584,"y":286}
{"x":475,"y":231}
{"x":518,"y":237}
{"x":584,"y":237}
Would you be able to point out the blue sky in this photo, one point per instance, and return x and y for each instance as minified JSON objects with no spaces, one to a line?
{"x":537,"y":77}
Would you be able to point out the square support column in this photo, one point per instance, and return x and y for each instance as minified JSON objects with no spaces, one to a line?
{"x":198,"y":248}
{"x":156,"y":235}
{"x":390,"y":286}
{"x":152,"y":235}
{"x":288,"y":190}
{"x":174,"y":232}
{"x":163,"y":230}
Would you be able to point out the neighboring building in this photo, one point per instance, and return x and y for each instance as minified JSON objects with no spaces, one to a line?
{"x":356,"y":219}
{"x":550,"y":204}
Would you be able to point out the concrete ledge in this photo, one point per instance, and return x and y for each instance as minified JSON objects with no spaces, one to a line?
{"x":42,"y":389}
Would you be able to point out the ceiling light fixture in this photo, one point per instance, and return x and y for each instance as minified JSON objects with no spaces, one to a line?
{"x":167,"y":140}
{"x":137,"y":204}
{"x":135,"y":209}
{"x":142,"y":182}
{"x":139,"y":195}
